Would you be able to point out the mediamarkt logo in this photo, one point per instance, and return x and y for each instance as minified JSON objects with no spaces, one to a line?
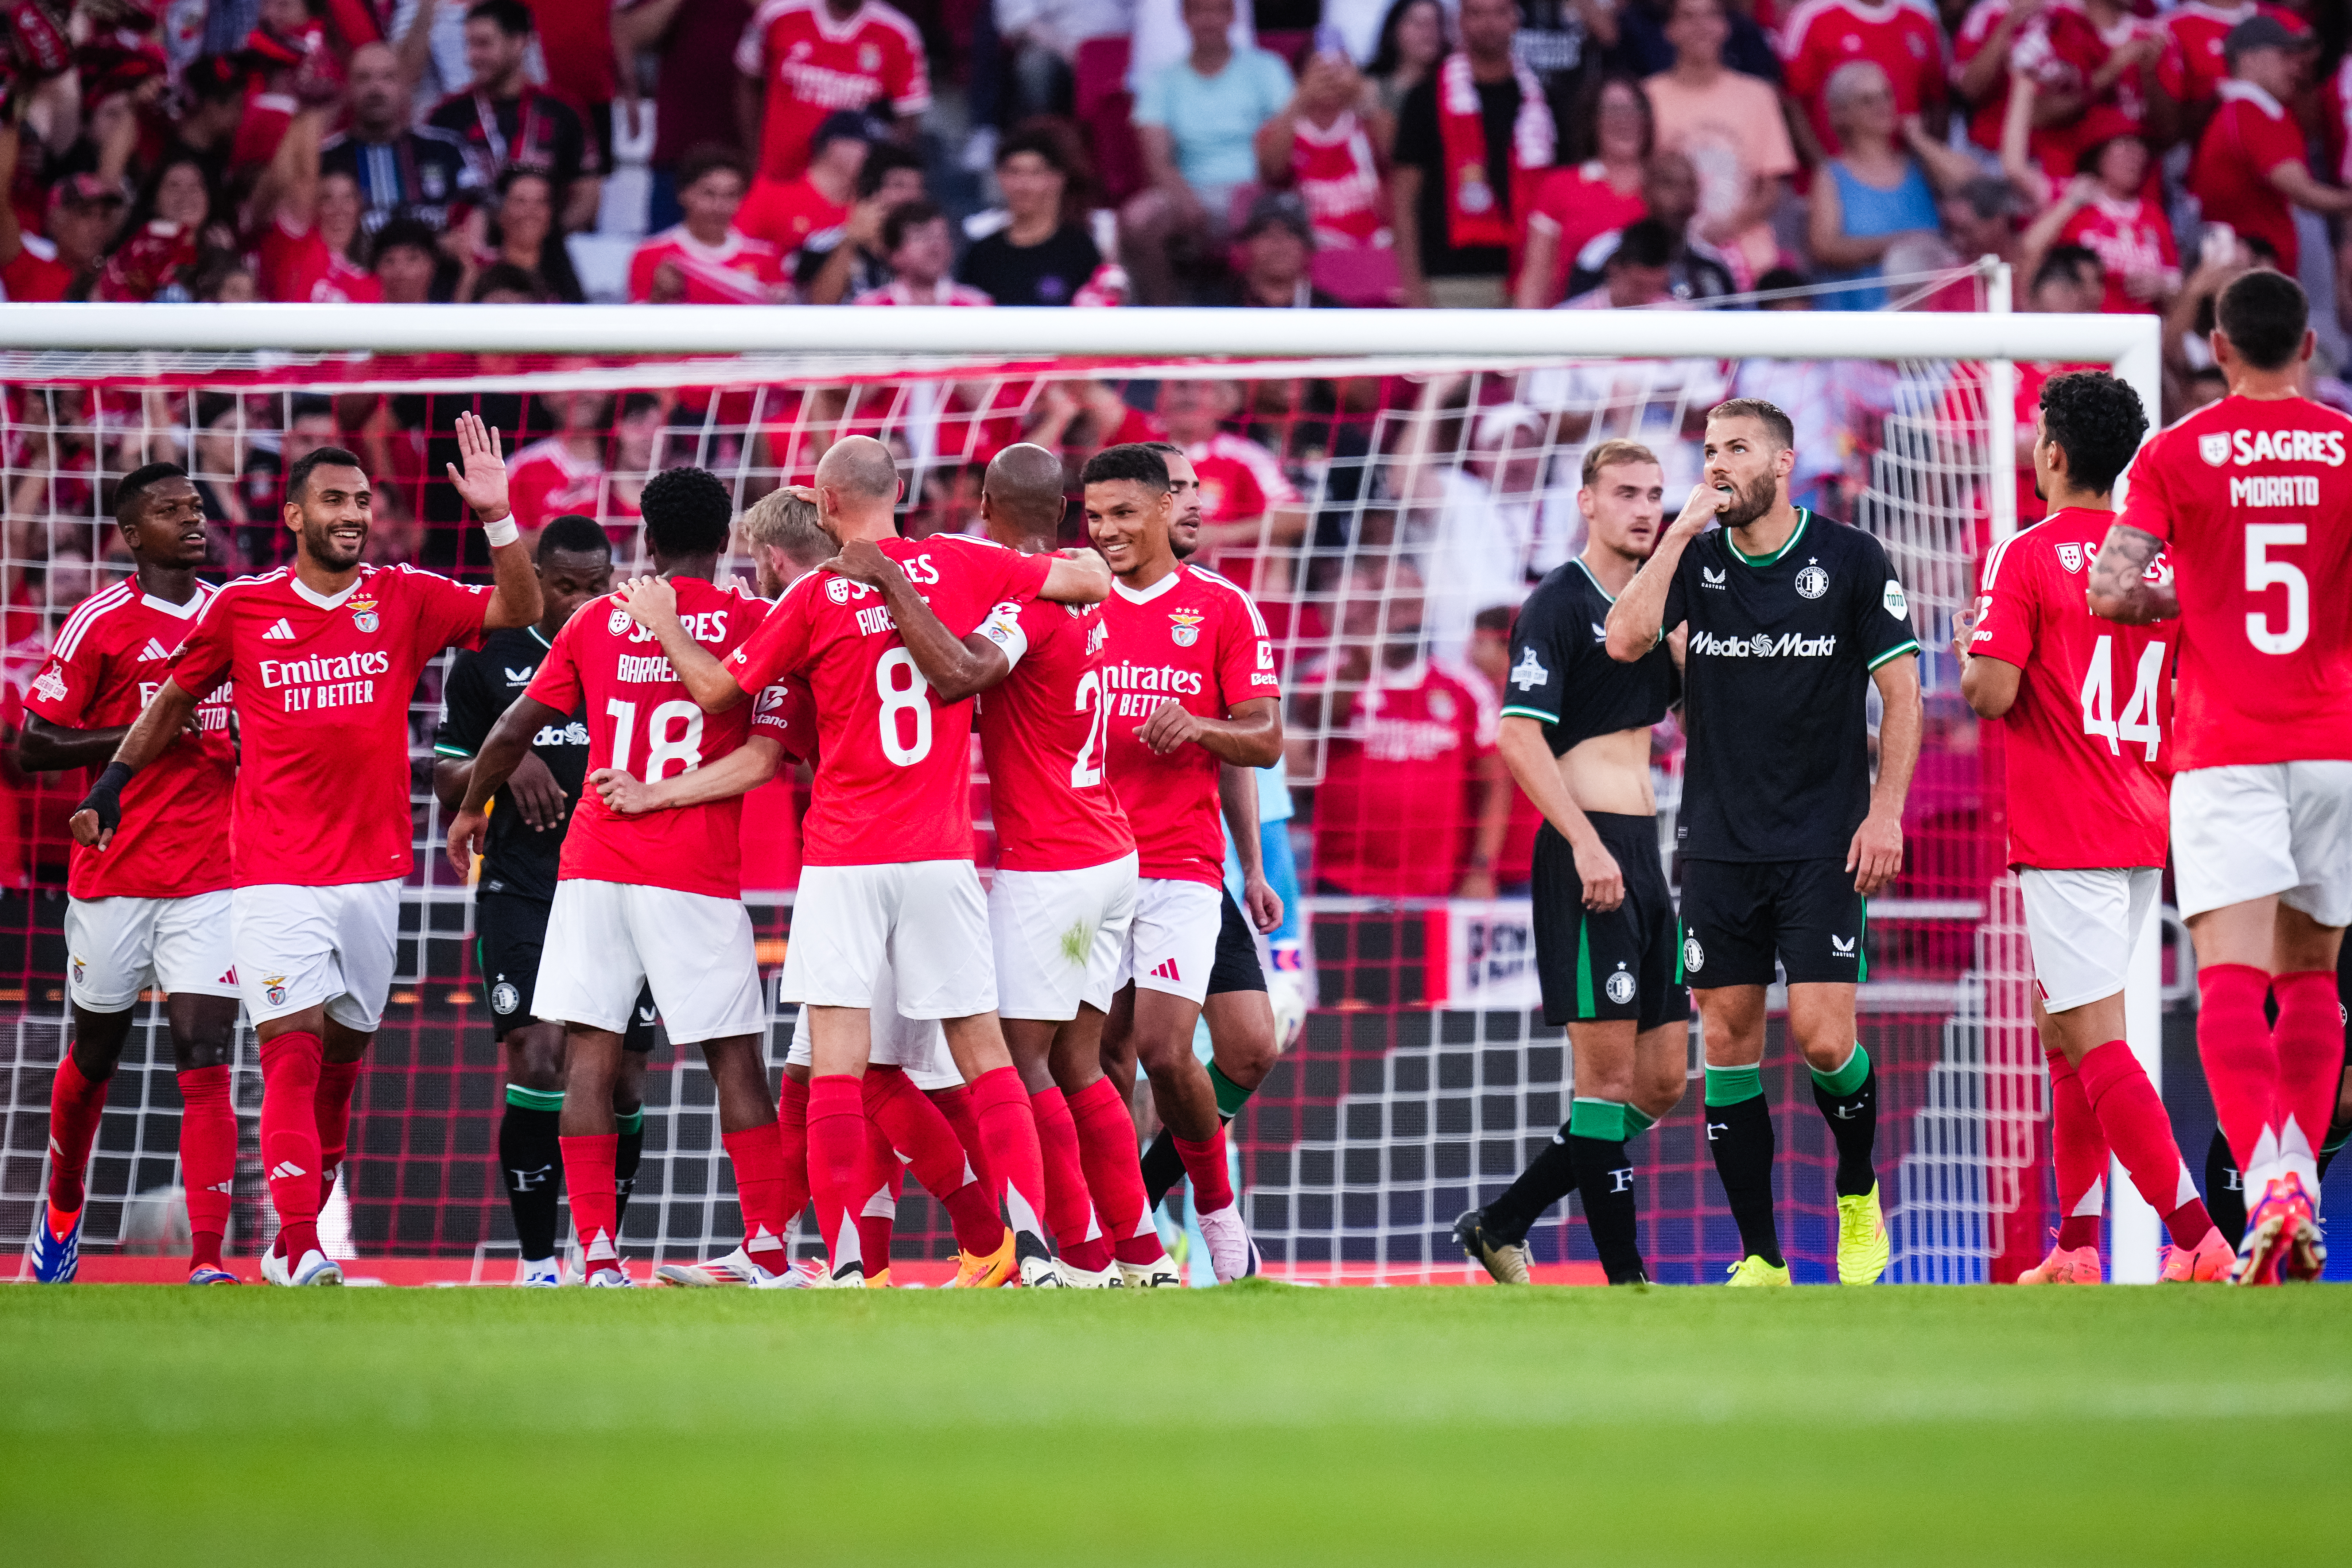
{"x":1788,"y":644}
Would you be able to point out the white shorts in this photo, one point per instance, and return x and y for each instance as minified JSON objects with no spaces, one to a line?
{"x":117,"y":948}
{"x":916,"y":1045}
{"x":924,"y":922}
{"x":1173,"y":945}
{"x":1060,"y":937}
{"x":299,"y":947}
{"x":2257,"y":829}
{"x":2083,"y":925}
{"x":606,"y":940}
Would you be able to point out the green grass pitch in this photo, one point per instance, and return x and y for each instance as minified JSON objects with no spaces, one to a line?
{"x":1258,"y":1422}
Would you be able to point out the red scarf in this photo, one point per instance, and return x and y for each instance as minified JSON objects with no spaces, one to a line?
{"x":1474,"y":214}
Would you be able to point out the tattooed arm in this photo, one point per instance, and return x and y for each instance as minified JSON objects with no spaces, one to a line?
{"x":2120,"y":588}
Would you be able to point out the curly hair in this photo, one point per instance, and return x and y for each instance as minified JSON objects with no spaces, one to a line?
{"x":2096,"y":421}
{"x":687,"y":511}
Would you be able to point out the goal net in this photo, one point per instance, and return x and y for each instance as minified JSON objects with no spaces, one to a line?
{"x":1387,"y":506}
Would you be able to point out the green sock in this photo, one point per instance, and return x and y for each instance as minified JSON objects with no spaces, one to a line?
{"x":1844,"y":1081}
{"x":1601,"y":1118}
{"x":627,"y":1121}
{"x":1230,"y":1096}
{"x":1635,"y":1123}
{"x":534,"y":1099}
{"x":1729,"y":1086}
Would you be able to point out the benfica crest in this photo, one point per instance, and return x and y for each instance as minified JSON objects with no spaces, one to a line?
{"x":2070,"y":556}
{"x":363,"y":615}
{"x":1186,"y":629}
{"x":2215,"y":448}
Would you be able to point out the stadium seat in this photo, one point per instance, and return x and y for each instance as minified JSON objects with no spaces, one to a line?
{"x":1107,"y":110}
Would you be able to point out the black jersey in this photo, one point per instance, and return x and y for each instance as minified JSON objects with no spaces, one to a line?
{"x":1776,"y":680}
{"x":482,"y":684}
{"x":1561,"y":672}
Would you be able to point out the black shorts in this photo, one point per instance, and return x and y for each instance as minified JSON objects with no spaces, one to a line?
{"x":1236,"y":968}
{"x":1627,"y":964}
{"x":1737,"y":914}
{"x":508,"y":932}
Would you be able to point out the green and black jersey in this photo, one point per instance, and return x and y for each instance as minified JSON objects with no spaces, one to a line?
{"x":1776,"y":681}
{"x":1561,"y":672}
{"x":483,"y":684}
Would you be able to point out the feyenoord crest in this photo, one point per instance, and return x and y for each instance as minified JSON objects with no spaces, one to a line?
{"x":1620,"y":987}
{"x":274,"y":987}
{"x":504,"y":997}
{"x":2070,"y":556}
{"x":363,"y":615}
{"x":2215,"y":448}
{"x":1813,"y":583}
{"x":617,"y":621}
{"x":1693,"y":955}
{"x":1185,"y":629}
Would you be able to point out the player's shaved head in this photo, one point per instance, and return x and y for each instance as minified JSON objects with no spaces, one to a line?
{"x":860,"y":468}
{"x":1024,"y":488}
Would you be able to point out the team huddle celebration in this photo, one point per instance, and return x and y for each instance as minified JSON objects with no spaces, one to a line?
{"x":2166,"y":653}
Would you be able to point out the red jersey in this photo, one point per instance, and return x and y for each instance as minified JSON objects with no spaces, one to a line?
{"x":643,"y":720}
{"x":2256,"y":499}
{"x":894,"y":768}
{"x":1239,"y":479}
{"x":1043,"y":731}
{"x":2195,"y":66}
{"x":321,"y":700}
{"x":2336,"y":120}
{"x":2088,"y":763}
{"x":546,"y":480}
{"x":300,"y":268}
{"x":1195,"y":637}
{"x":108,"y":660}
{"x":1399,"y":798}
{"x":1339,"y":180}
{"x":2128,"y":236}
{"x":1577,"y":206}
{"x":2250,"y":134}
{"x":782,"y":213}
{"x":739,"y":271}
{"x":813,"y":65}
{"x":1904,"y":41}
{"x":37,"y":277}
{"x":2058,"y":48}
{"x":947,"y":291}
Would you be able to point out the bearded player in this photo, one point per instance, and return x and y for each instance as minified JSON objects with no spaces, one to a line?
{"x":887,"y":873}
{"x":651,"y":901}
{"x":324,"y":654}
{"x":153,"y":911}
{"x":1190,"y":685}
{"x":2252,"y":498}
{"x":2086,"y":706}
{"x":1064,"y":893}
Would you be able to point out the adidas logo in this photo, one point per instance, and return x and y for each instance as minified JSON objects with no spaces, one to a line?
{"x":154,"y":650}
{"x":228,"y":979}
{"x":1167,"y":970}
{"x":286,"y":1171}
{"x":282,"y":632}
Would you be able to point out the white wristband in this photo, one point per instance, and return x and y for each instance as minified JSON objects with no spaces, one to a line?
{"x":502,"y":531}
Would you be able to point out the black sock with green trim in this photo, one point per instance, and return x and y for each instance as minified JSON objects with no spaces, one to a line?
{"x":1549,"y":1177}
{"x":532,"y":1163}
{"x":1604,"y":1175}
{"x":1740,"y":1136}
{"x":1163,"y":1166}
{"x":1848,"y":1099}
{"x":626,"y":1155}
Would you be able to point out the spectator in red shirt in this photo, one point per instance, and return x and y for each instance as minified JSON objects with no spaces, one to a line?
{"x":1414,"y":802}
{"x":313,"y":225}
{"x":1490,"y":655}
{"x":839,"y":263}
{"x":915,"y":237}
{"x":408,"y":255}
{"x":1574,"y":206}
{"x":2250,"y":170}
{"x":1327,"y":143}
{"x":800,"y":61}
{"x":787,"y":213}
{"x":507,"y":124}
{"x":2104,"y":208}
{"x":524,"y":234}
{"x":706,"y":261}
{"x":83,"y":217}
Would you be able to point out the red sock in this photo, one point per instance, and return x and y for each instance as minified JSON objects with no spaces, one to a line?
{"x":76,"y":1104}
{"x":2309,"y":1038}
{"x":792,"y":1130}
{"x":757,"y":1155}
{"x":336,"y":1082}
{"x":1069,"y":1207}
{"x":2241,"y":1063}
{"x":1115,"y":1171}
{"x":1212,"y":1188}
{"x":2132,"y":1121}
{"x":207,"y":1159}
{"x":879,"y":1180}
{"x":595,"y":1208}
{"x":289,"y":1138}
{"x":1009,"y":1132}
{"x":919,"y":1131}
{"x":836,"y":1158}
{"x":955,"y":1104}
{"x":2080,"y":1156}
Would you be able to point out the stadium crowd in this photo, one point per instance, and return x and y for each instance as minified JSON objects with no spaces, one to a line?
{"x":1554,"y":153}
